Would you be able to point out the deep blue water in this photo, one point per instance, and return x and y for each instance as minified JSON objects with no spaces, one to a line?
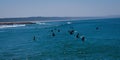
{"x":16,"y":42}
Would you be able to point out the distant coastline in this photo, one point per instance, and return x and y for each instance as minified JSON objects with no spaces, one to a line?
{"x":42,"y":19}
{"x":12,"y":23}
{"x":33,"y":20}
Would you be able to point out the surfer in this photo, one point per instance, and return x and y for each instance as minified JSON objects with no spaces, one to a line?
{"x":58,"y":30}
{"x":78,"y":35}
{"x":83,"y":38}
{"x":97,"y":28}
{"x":51,"y":30}
{"x":53,"y":34}
{"x":71,"y":32}
{"x":34,"y":38}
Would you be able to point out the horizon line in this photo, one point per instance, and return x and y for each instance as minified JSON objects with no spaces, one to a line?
{"x":60,"y":16}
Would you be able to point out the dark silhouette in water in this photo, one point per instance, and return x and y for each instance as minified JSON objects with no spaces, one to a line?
{"x":71,"y":32}
{"x":58,"y":30}
{"x":51,"y":30}
{"x":53,"y":34}
{"x":78,"y":35}
{"x":97,"y":28}
{"x":83,"y":38}
{"x":55,"y":29}
{"x":34,"y":38}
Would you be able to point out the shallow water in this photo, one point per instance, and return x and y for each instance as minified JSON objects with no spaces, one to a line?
{"x":16,"y":43}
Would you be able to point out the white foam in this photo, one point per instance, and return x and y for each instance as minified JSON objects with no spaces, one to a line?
{"x":69,"y":22}
{"x":76,"y":31}
{"x":10,"y":26}
{"x":81,"y":36}
{"x":42,"y":23}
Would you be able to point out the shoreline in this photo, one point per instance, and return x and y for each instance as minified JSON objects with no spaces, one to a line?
{"x":12,"y":23}
{"x":34,"y":22}
{"x":31,"y":22}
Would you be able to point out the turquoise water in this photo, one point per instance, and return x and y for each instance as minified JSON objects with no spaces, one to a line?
{"x":16,"y":42}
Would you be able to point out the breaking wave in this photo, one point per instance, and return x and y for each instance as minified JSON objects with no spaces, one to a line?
{"x":10,"y":26}
{"x":69,"y":22}
{"x":42,"y":23}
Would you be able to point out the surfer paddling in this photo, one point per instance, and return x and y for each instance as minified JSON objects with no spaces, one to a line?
{"x":97,"y":28}
{"x":58,"y":30}
{"x":34,"y":38}
{"x":53,"y":34}
{"x":78,"y":35}
{"x":51,"y":30}
{"x":82,"y":38}
{"x":71,"y":32}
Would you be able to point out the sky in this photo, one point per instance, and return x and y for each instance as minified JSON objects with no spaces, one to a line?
{"x":58,"y":8}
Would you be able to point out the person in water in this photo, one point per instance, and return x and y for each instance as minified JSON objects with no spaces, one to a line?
{"x":97,"y":28}
{"x":71,"y":32}
{"x":51,"y":30}
{"x":78,"y":35}
{"x":34,"y":38}
{"x":58,"y":30}
{"x":53,"y":34}
{"x":83,"y":38}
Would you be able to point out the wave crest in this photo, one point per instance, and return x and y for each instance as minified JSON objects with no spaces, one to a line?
{"x":10,"y":26}
{"x":69,"y":22}
{"x":42,"y":23}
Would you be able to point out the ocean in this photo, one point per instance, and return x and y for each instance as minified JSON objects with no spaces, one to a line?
{"x":37,"y":42}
